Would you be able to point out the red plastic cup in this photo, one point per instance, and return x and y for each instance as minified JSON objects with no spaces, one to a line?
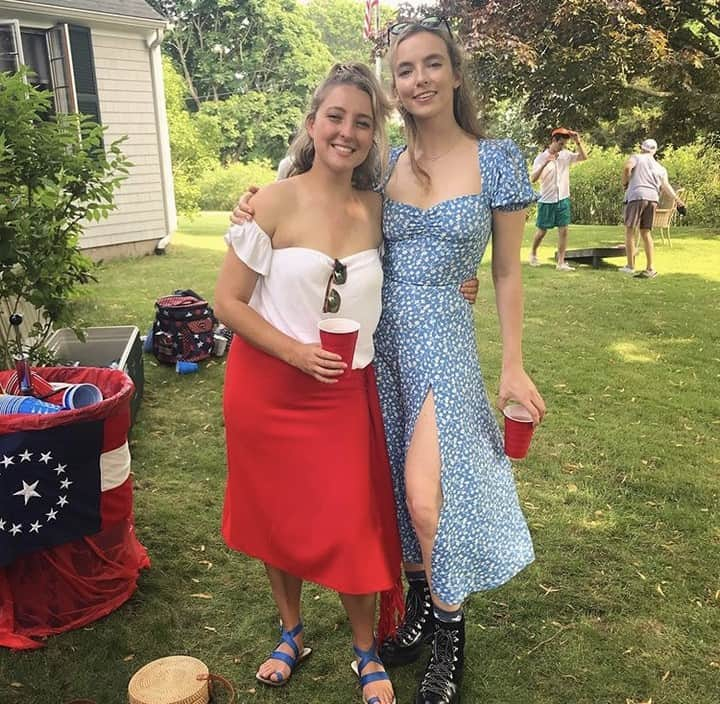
{"x":40,"y":387}
{"x":519,"y":430}
{"x":339,"y":335}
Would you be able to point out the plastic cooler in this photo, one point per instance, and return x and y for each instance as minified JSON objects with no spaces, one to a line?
{"x":116,"y":346}
{"x":68,"y":550}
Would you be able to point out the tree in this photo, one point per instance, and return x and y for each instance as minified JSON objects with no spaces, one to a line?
{"x":245,"y":49}
{"x":341,"y":25}
{"x":54,"y":174}
{"x":581,"y":61}
{"x":203,"y":34}
{"x":195,"y":140}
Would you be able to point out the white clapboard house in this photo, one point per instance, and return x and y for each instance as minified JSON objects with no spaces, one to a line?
{"x":102,"y":57}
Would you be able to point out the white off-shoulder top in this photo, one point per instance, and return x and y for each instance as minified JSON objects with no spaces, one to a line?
{"x":290,"y":290}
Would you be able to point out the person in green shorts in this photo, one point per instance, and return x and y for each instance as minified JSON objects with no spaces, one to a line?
{"x":552,"y":168}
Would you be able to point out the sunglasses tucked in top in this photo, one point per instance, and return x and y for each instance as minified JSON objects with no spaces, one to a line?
{"x":338,"y":276}
{"x":434,"y":24}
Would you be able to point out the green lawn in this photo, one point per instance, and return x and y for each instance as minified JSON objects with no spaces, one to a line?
{"x":620,"y":489}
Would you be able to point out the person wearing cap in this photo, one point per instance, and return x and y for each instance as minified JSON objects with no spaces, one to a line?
{"x":552,"y":167}
{"x":643,"y":179}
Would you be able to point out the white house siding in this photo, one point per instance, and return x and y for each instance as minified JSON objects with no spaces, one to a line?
{"x":122,"y":68}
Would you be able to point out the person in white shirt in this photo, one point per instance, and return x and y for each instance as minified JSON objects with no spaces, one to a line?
{"x":552,"y":167}
{"x":643,"y":179}
{"x":309,"y":489}
{"x":286,"y":163}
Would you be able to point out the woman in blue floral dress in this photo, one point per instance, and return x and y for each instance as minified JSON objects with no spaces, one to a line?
{"x":447,"y":193}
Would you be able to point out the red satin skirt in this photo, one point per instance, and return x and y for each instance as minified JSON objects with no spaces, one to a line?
{"x":308,"y":486}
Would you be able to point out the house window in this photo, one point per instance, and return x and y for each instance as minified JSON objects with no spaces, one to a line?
{"x":61,"y":59}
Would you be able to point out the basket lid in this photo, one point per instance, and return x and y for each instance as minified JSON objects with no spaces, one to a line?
{"x":170,"y":680}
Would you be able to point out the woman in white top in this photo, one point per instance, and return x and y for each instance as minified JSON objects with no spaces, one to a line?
{"x":309,"y":489}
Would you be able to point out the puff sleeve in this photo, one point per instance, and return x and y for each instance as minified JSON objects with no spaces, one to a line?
{"x":510,"y":187}
{"x":251,"y":245}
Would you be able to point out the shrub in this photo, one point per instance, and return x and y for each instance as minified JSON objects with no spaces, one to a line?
{"x":596,"y":189}
{"x":194,"y":141}
{"x":221,"y":187}
{"x":55,"y":173}
{"x":597,"y":194}
{"x":696,"y":168}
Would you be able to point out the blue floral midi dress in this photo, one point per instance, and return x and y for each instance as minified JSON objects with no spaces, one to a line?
{"x":426,"y":342}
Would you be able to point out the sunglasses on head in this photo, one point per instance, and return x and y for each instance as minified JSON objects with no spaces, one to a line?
{"x":338,"y":276}
{"x":433,"y":23}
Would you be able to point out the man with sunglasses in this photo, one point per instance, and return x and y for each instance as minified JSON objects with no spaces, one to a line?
{"x":552,"y":168}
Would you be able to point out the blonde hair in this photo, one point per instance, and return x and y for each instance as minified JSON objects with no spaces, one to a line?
{"x":464,"y":108}
{"x":302,"y":151}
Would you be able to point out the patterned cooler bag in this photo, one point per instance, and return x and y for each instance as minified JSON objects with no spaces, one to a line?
{"x":183,"y":328}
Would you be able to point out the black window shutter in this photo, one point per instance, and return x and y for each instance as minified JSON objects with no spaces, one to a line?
{"x":84,"y":72}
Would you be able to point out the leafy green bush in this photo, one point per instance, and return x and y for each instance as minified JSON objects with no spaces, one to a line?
{"x":597,"y":194}
{"x":220,"y":187}
{"x":696,"y":168}
{"x":194,"y":141}
{"x":596,"y":189}
{"x":55,"y":173}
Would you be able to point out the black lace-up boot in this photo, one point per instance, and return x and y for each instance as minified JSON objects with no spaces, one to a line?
{"x":443,"y":675}
{"x":416,"y":630}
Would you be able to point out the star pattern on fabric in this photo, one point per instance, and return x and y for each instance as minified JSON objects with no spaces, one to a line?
{"x":31,"y":490}
{"x":28,"y":491}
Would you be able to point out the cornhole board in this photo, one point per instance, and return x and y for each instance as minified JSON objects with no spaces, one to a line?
{"x":593,"y":255}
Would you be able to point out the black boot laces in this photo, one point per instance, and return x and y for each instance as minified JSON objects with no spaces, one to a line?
{"x":441,"y":667}
{"x":414,"y":616}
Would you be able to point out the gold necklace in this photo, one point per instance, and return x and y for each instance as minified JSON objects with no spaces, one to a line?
{"x":445,"y":153}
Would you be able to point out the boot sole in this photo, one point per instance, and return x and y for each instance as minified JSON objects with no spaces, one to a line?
{"x":408,"y":656}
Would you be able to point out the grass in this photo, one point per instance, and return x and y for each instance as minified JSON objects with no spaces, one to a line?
{"x":622,"y":605}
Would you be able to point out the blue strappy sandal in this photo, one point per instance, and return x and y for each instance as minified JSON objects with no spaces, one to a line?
{"x":287,"y":637}
{"x":365,"y":657}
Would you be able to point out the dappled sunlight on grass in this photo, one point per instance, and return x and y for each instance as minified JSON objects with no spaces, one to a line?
{"x":634,"y":352}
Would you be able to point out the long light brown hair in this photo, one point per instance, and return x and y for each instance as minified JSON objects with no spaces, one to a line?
{"x":302,"y":151}
{"x":464,"y":108}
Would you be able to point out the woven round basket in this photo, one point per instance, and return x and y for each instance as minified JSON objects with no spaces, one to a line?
{"x":177,"y":679}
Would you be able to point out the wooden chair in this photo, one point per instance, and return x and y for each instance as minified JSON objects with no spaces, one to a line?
{"x":664,"y":217}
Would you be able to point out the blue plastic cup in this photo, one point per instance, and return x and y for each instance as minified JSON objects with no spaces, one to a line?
{"x":81,"y":395}
{"x":148,"y":341}
{"x":26,"y":404}
{"x":183,"y":367}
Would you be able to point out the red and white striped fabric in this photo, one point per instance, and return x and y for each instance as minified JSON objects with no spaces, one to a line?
{"x":65,"y":585}
{"x":369,"y":23}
